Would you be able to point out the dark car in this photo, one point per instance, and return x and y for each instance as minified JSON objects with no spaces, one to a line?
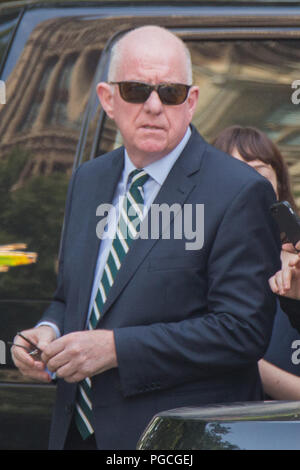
{"x":270,"y":425}
{"x":246,"y":61}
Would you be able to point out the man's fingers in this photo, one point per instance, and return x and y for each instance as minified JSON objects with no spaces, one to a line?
{"x":48,"y":335}
{"x":58,"y":361}
{"x":28,"y":366}
{"x":81,"y":354}
{"x":21,"y":357}
{"x":31,"y":365}
{"x":53,"y":348}
{"x":74,"y":378}
{"x":60,"y":353}
{"x":69,"y":373}
{"x":39,"y":375}
{"x":65,"y":357}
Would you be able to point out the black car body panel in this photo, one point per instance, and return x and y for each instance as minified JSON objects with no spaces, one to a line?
{"x":237,"y":426}
{"x":52,"y":54}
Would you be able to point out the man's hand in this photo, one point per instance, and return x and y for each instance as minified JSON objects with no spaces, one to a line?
{"x":286,"y":282}
{"x":81,"y":354}
{"x":27,"y":364}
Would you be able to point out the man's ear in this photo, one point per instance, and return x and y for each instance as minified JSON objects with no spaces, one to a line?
{"x":193,"y":100}
{"x":105,"y":95}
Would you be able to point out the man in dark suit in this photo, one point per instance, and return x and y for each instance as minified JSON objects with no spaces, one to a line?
{"x":175,"y":321}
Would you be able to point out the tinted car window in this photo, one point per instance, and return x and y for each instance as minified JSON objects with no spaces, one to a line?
{"x":48,"y":78}
{"x":246,"y":82}
{"x":8,"y":23}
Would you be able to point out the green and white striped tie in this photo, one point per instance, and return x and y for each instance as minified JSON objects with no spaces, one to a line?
{"x":130,"y":217}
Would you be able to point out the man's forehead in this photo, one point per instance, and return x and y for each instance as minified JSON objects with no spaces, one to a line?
{"x":144,"y":59}
{"x":155,"y":42}
{"x":146,"y":62}
{"x":154,"y":50}
{"x":150,"y":34}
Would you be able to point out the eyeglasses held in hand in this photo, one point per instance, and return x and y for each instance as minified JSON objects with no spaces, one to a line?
{"x":170,"y":94}
{"x":30,"y":342}
{"x":32,"y":352}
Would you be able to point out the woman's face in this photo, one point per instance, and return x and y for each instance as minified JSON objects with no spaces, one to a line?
{"x":263,"y":168}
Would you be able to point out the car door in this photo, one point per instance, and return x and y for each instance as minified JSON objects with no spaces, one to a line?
{"x":45,"y":83}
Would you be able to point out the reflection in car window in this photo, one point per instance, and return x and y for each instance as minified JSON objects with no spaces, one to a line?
{"x":246,"y":82}
{"x":48,"y":77}
{"x":38,"y":96}
{"x":7,"y":24}
{"x":47,"y":90}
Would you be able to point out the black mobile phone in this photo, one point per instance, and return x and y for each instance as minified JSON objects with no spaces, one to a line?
{"x":288,"y":221}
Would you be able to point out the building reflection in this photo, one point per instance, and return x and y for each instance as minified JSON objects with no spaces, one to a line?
{"x":249,"y":83}
{"x":245,"y":82}
{"x":47,"y":93}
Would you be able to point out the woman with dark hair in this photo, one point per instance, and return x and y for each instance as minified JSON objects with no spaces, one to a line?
{"x":279,"y":375}
{"x":255,"y":148}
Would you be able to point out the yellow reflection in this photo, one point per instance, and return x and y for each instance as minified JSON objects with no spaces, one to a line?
{"x":11,"y":255}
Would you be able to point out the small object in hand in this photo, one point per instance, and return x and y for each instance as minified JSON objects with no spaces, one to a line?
{"x":36,"y":349}
{"x":31,"y":352}
{"x":19,"y":346}
{"x":35,"y":352}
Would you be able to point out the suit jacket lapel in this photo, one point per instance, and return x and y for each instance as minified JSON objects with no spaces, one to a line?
{"x":175,"y":189}
{"x":103,"y":191}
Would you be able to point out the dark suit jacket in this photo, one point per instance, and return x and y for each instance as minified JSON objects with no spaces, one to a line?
{"x":189,"y":325}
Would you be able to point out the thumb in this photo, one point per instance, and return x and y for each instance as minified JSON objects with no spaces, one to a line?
{"x":46,"y":336}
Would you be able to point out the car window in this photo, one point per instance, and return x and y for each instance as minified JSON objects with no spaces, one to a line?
{"x":246,"y":82}
{"x":47,"y":78}
{"x":8,"y":22}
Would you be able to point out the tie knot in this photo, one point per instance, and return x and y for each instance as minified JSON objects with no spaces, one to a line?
{"x":138,"y":178}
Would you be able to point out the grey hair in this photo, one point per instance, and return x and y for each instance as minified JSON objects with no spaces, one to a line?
{"x":116,"y":54}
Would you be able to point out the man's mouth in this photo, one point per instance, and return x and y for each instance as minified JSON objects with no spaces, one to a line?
{"x":152,"y":127}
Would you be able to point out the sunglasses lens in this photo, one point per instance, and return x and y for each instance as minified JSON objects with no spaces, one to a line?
{"x":173,"y":94}
{"x":169,"y":94}
{"x":134,"y":92}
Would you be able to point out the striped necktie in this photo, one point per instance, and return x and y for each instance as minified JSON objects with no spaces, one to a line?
{"x":130,"y":217}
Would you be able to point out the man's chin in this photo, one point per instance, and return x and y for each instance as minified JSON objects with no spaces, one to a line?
{"x":154,"y":152}
{"x":146,"y":151}
{"x":152,"y":146}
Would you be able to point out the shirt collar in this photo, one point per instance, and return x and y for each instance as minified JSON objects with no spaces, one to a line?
{"x":159,"y":169}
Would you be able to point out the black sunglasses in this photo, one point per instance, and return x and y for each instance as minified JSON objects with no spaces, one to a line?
{"x":138,"y":92}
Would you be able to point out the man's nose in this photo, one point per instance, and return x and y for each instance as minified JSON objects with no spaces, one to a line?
{"x":153,"y":103}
